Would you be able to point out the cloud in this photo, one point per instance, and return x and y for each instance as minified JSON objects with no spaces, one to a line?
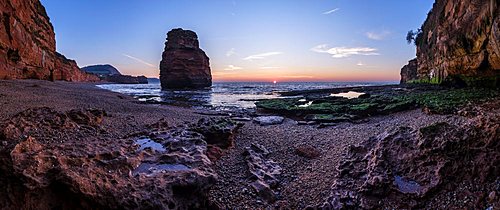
{"x":360,"y":64}
{"x":378,"y":36}
{"x":342,"y":52}
{"x":231,"y":52}
{"x":232,"y":68}
{"x":270,"y":67}
{"x":331,"y":11}
{"x":297,"y":76}
{"x":139,"y":60}
{"x":261,"y":56}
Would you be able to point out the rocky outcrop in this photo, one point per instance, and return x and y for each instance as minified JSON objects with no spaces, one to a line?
{"x":111,"y":74}
{"x":68,"y":160}
{"x":409,"y":71}
{"x":184,"y":65}
{"x":408,"y":168}
{"x":460,"y":38}
{"x":264,"y":173}
{"x":28,"y":46}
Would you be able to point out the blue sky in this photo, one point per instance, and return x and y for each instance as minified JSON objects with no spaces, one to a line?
{"x":263,"y":40}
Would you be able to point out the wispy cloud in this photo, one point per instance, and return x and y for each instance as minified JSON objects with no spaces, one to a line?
{"x":232,"y":68}
{"x":297,"y":76}
{"x":139,"y":60}
{"x":331,"y":11}
{"x":270,"y":67}
{"x":378,"y":35}
{"x":342,"y":52}
{"x":261,"y":56}
{"x":231,"y":52}
{"x":360,"y":64}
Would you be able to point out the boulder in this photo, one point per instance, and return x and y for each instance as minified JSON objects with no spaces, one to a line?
{"x":184,"y":65}
{"x":269,"y":120}
{"x":28,"y":45}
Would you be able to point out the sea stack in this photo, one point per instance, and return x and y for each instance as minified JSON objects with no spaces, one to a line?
{"x":184,"y":65}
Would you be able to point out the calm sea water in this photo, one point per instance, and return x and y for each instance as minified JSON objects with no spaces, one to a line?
{"x":223,"y":95}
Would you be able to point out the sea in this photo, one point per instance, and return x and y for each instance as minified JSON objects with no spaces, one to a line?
{"x":223,"y":95}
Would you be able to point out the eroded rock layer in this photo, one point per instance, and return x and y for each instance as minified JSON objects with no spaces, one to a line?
{"x":184,"y":65}
{"x":28,"y":46}
{"x":408,"y":168}
{"x":68,"y":160}
{"x":460,"y":37}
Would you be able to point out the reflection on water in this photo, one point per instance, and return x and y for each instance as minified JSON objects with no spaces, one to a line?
{"x":149,"y":143}
{"x":223,"y":95}
{"x":407,"y":186}
{"x":349,"y":95}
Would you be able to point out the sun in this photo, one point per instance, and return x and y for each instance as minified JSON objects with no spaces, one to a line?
{"x":274,"y":82}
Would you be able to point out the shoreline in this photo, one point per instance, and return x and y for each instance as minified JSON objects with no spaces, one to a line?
{"x":304,"y":181}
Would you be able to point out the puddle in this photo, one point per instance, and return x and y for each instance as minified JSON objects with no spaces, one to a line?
{"x":407,"y":186}
{"x":148,"y":143}
{"x":349,"y":95}
{"x":150,"y":168}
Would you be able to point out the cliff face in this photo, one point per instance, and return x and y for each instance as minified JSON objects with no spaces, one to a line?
{"x":409,"y":71}
{"x":28,"y":46}
{"x":184,"y":64}
{"x":460,"y":37}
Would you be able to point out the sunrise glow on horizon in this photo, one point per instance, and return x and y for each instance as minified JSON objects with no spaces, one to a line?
{"x":337,"y":40}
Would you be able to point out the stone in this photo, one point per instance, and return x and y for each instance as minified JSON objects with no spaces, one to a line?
{"x":28,"y":45}
{"x":307,"y":151}
{"x":268,"y":120}
{"x":184,"y":65}
{"x":264,"y":173}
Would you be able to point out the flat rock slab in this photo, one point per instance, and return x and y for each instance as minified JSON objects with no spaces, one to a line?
{"x":269,"y":120}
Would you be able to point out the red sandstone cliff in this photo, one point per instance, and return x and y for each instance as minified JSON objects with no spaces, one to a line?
{"x":459,"y":37}
{"x":28,"y":46}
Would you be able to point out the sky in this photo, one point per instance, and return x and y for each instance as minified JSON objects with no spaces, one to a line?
{"x":246,"y":40}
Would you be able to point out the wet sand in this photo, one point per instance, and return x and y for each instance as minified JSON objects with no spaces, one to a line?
{"x":303,"y":182}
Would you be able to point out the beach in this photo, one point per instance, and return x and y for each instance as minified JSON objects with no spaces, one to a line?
{"x":304,"y":180}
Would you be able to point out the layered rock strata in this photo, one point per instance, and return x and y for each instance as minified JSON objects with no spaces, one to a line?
{"x":28,"y":45}
{"x":184,"y":65}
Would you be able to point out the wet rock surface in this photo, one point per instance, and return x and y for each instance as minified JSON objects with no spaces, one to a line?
{"x":68,"y":160}
{"x":264,"y":173}
{"x":415,"y":166}
{"x":184,"y":65}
